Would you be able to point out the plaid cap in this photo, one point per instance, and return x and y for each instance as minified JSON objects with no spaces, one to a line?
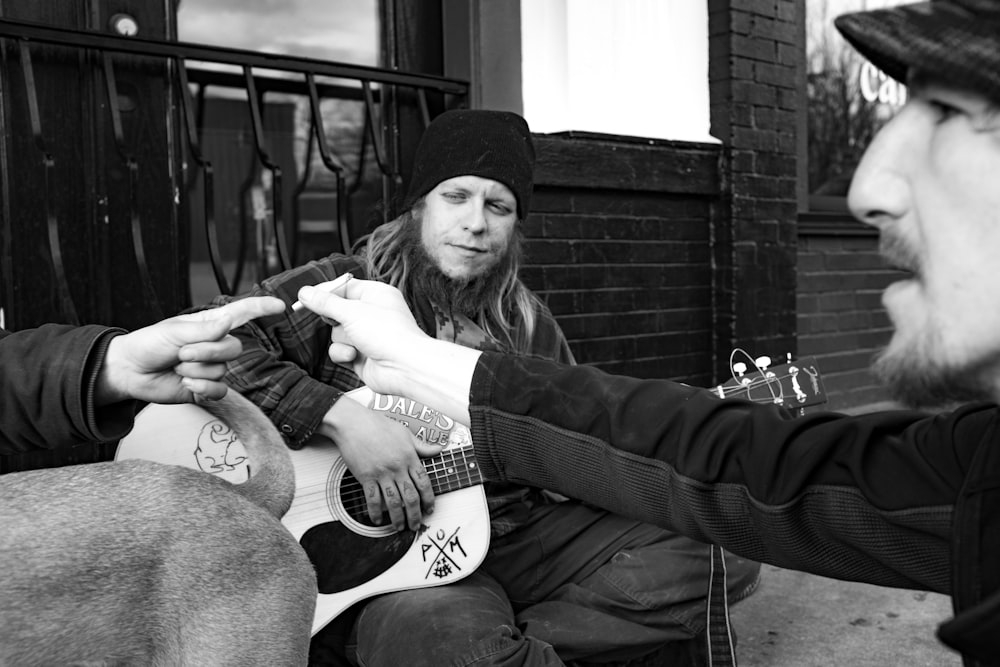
{"x":955,"y":40}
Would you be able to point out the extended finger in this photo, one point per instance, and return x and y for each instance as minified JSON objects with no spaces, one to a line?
{"x":411,"y":505}
{"x":373,"y":498}
{"x":394,"y":505}
{"x":224,"y":349}
{"x":237,"y":313}
{"x":423,"y":488}
{"x":213,"y":324}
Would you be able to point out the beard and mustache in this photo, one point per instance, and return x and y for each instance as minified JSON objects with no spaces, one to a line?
{"x":467,"y":296}
{"x":911,"y":365}
{"x":916,"y":378}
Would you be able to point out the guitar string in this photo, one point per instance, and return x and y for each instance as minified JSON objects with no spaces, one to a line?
{"x":753,"y":364}
{"x":769,"y":382}
{"x":730,"y":390}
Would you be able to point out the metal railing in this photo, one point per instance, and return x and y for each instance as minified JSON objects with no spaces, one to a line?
{"x":381,"y":91}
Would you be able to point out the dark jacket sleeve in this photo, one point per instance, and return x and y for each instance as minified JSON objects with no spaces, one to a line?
{"x":47,"y":379}
{"x":866,"y":498}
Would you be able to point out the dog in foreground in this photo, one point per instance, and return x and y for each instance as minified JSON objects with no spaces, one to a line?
{"x":135,"y":562}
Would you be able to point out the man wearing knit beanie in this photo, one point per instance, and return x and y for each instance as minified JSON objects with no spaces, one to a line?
{"x":561,"y":578}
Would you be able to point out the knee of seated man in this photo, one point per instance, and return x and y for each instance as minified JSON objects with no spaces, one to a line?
{"x":467,"y":609}
{"x":467,"y":621}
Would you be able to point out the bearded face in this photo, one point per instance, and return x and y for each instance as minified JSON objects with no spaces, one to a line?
{"x":466,"y":294}
{"x":465,"y":243}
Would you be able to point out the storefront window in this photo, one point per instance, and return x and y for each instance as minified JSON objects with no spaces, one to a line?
{"x":848,"y":101}
{"x":339,"y":30}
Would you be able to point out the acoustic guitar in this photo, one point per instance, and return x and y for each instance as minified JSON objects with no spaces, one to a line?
{"x":354,"y":559}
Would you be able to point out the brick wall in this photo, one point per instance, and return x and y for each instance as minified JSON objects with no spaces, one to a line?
{"x":619,"y":247}
{"x":755,"y":65}
{"x":841,"y":320}
{"x":659,"y":259}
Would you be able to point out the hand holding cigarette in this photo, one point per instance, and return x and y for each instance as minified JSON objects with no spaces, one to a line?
{"x":328,"y":286}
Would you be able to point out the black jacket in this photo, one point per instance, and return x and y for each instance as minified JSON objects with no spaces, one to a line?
{"x":47,"y":378}
{"x":902,"y":498}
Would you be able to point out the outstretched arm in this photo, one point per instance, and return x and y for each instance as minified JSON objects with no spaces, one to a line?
{"x":62,"y":385}
{"x":172,"y":360}
{"x":807,"y":493}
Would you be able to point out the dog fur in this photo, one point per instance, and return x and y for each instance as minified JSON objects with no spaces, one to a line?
{"x":135,"y":562}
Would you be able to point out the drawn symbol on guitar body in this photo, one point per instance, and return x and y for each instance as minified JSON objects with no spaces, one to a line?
{"x":444,"y":549}
{"x":220,"y":452}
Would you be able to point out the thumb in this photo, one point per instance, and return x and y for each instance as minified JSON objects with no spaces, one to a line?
{"x":342,"y":353}
{"x":322,"y":302}
{"x":426,"y":449}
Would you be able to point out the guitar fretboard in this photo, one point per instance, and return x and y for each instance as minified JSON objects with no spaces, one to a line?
{"x":451,"y":470}
{"x":454,"y":469}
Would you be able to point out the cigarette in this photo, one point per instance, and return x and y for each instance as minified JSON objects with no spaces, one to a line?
{"x":328,"y":286}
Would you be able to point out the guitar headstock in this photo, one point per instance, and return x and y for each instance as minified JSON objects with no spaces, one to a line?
{"x":794,"y":384}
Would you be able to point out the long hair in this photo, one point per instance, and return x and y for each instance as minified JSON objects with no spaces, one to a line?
{"x":508,"y":316}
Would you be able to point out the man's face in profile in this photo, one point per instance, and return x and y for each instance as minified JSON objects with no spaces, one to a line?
{"x":930,"y":182}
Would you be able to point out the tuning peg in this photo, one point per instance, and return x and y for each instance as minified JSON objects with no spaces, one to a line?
{"x":740,"y":368}
{"x":762,"y":362}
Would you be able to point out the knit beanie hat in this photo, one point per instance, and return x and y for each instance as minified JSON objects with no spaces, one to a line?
{"x":475,"y":142}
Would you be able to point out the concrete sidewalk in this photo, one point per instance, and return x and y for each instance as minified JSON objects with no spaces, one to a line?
{"x":801,"y":620}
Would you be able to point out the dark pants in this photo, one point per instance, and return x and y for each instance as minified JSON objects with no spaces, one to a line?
{"x":574,"y":583}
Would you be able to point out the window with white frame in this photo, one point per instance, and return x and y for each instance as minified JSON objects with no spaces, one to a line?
{"x":626,"y":67}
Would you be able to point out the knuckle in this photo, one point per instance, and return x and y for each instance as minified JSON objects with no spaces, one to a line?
{"x":392,"y":498}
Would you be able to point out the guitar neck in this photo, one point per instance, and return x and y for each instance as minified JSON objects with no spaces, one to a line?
{"x":453,"y":469}
{"x":794,"y":385}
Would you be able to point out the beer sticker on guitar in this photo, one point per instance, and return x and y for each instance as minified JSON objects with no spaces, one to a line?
{"x":427,"y":424}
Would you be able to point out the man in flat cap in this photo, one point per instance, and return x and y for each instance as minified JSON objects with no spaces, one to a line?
{"x":907,"y":498}
{"x":562,"y":580}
